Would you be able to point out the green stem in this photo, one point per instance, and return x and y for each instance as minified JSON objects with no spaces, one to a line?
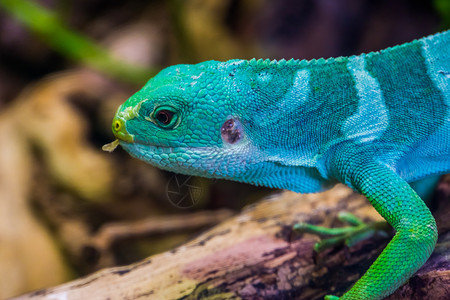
{"x":73,"y":45}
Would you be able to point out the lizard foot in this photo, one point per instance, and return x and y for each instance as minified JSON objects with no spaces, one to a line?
{"x":349,"y":235}
{"x":331,"y":297}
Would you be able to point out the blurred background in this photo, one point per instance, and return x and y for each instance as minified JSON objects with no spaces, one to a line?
{"x":67,"y":208}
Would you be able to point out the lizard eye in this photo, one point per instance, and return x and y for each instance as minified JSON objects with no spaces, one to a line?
{"x":165,"y":117}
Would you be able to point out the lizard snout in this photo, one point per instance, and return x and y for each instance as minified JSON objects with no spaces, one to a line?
{"x":120,"y":131}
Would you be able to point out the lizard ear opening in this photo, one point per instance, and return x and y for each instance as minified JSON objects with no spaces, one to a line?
{"x":231,"y":131}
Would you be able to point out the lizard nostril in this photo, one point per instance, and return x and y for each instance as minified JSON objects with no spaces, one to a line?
{"x":117,"y":125}
{"x":119,"y":130}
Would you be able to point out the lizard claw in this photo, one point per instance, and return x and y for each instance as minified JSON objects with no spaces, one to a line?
{"x":349,"y":235}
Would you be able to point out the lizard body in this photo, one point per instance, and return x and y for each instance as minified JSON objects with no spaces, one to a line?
{"x":374,"y":122}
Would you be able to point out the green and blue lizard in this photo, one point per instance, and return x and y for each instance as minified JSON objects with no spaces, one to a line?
{"x":375,"y":122}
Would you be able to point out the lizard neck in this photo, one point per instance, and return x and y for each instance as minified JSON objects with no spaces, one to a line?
{"x":284,"y":106}
{"x":296,"y":111}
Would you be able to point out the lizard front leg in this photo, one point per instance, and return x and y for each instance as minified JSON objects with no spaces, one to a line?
{"x":398,"y":203}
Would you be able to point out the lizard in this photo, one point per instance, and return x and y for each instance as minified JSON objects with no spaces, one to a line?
{"x":376,"y":122}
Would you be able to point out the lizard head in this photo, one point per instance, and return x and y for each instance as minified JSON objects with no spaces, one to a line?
{"x":182,"y":121}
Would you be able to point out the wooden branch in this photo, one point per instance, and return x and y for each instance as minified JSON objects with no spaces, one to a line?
{"x":256,"y":255}
{"x":112,"y":233}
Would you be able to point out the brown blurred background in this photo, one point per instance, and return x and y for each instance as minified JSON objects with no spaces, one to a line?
{"x":66,"y":207}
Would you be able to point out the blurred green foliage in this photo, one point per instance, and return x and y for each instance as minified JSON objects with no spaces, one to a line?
{"x":49,"y":27}
{"x":443,"y":8}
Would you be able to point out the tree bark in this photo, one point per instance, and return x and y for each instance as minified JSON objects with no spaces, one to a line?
{"x":256,"y":255}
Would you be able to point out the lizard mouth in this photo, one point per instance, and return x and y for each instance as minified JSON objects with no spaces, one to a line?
{"x":120,"y":132}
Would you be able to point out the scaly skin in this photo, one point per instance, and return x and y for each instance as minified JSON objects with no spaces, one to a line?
{"x":374,"y":122}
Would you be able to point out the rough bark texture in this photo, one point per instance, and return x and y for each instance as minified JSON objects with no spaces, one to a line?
{"x":256,"y":255}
